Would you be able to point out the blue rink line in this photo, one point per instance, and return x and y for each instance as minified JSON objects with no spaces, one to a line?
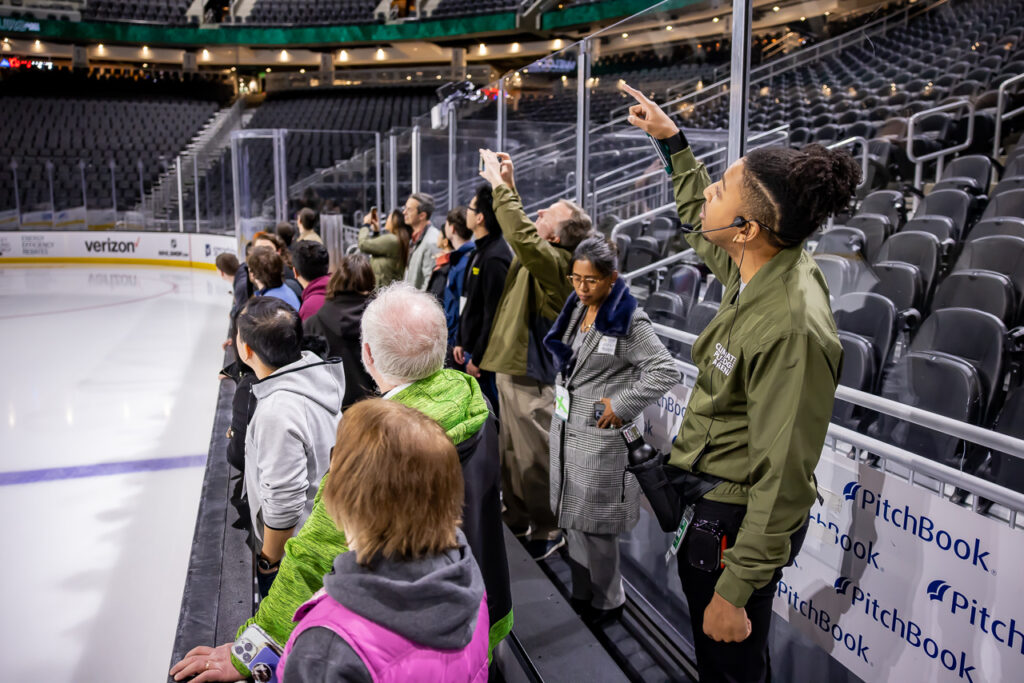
{"x":102,"y":469}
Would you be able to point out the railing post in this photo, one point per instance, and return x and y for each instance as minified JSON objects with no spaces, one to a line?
{"x":53,"y":204}
{"x":142,"y":189}
{"x":392,"y":171}
{"x":502,"y":124}
{"x":739,"y":81}
{"x":583,"y":123}
{"x":113,"y":188}
{"x":236,"y":182}
{"x":195,"y":186}
{"x":378,"y":160}
{"x":453,"y":171}
{"x":415,"y":159}
{"x":181,"y":197}
{"x":17,"y":198}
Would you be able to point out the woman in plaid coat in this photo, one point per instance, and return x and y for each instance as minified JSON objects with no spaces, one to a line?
{"x":611,"y":366}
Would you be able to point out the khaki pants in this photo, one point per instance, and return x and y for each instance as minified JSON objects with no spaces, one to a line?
{"x":526,"y":410}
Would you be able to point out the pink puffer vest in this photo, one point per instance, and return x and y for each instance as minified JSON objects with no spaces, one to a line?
{"x":388,"y":656}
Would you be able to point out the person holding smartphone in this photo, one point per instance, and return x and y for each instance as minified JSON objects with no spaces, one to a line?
{"x":768,"y":365}
{"x":611,"y":365}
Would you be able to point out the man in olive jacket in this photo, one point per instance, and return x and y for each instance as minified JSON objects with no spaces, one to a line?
{"x":536,"y":288}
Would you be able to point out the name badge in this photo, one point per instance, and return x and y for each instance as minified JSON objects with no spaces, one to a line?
{"x":607,"y":345}
{"x":561,"y":403}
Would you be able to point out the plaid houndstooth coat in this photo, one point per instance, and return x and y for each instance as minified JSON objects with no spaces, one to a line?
{"x":621,"y":359}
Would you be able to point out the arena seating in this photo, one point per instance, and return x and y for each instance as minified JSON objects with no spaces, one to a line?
{"x":455,"y":8}
{"x":313,"y":12}
{"x":95,"y":123}
{"x":162,"y":11}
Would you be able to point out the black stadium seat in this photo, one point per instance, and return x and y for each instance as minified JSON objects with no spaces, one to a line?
{"x":981,"y":290}
{"x":937,"y":383}
{"x":971,"y":335}
{"x":920,"y":249}
{"x":870,"y":316}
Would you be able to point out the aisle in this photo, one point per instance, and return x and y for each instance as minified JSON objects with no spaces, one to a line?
{"x":108,"y":394}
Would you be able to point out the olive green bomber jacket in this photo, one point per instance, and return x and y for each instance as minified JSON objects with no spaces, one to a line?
{"x":769,"y":365}
{"x":538,"y":264}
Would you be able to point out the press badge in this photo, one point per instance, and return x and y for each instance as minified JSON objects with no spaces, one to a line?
{"x":561,"y":403}
{"x":607,"y":345}
{"x":677,"y":540}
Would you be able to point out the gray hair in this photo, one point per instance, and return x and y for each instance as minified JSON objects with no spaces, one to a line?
{"x":407,"y":333}
{"x":599,"y":252}
{"x":577,"y":227}
{"x":425,"y":202}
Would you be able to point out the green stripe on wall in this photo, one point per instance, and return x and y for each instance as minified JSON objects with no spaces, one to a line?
{"x":154,"y":34}
{"x":602,"y":11}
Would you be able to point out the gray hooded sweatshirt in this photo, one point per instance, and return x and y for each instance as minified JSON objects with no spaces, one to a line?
{"x":289,"y":440}
{"x":433,"y":601}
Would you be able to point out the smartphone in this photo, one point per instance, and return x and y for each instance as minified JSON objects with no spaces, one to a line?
{"x":598,"y":410}
{"x":481,"y":162}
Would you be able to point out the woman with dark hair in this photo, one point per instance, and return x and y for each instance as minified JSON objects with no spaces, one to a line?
{"x":289,"y":439}
{"x":269,"y":239}
{"x":768,"y":367}
{"x":611,"y":365}
{"x":265,"y":272}
{"x":388,"y":251}
{"x":338,"y":321}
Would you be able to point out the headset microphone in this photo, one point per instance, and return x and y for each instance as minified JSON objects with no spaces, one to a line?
{"x":738,"y":222}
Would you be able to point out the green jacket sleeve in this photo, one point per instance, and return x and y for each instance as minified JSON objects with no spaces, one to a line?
{"x":307,"y":557}
{"x":689,"y":178}
{"x":791,"y":385}
{"x":384,"y":244}
{"x":537,"y":255}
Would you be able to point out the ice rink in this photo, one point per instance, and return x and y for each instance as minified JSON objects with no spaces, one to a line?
{"x":108,"y":396}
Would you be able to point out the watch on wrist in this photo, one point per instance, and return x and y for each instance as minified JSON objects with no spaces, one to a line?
{"x":265,"y":565}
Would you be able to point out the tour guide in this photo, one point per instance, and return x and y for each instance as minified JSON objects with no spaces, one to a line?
{"x":768,"y":367}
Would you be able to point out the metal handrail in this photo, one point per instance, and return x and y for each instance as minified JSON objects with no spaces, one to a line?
{"x":657,"y":265}
{"x":920,"y":464}
{"x":940,"y":154}
{"x":924,"y":418}
{"x":864,"y":161}
{"x":1001,"y":115}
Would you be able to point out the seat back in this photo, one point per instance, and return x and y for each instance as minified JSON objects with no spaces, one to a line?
{"x":685,"y":281}
{"x":871,"y":316}
{"x":972,"y":173}
{"x":899,"y":282}
{"x":666,"y":308}
{"x":999,"y":253}
{"x":622,"y":242}
{"x":838,"y":273}
{"x":955,"y":204}
{"x":841,"y":241}
{"x":940,"y":226}
{"x":990,"y":227}
{"x":876,"y":228}
{"x":1008,"y":470}
{"x":982,"y":290}
{"x":921,"y":249}
{"x":937,"y":383}
{"x":974,"y":336}
{"x":1009,"y":203}
{"x":889,"y":203}
{"x":699,"y":317}
{"x":859,"y":372}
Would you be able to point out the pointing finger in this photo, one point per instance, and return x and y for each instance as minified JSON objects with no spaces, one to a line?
{"x":637,"y":95}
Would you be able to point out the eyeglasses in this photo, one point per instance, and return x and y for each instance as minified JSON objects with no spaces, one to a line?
{"x":576,"y":280}
{"x":470,"y":208}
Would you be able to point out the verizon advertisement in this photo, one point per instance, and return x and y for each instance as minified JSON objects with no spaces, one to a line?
{"x":133,"y":246}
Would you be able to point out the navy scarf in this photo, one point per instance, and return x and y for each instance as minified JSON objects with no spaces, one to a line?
{"x":613,"y":320}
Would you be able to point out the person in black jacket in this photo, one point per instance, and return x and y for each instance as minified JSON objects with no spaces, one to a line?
{"x":338,"y":321}
{"x":485,"y":281}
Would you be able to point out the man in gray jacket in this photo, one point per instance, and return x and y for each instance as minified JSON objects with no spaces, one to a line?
{"x":289,"y":440}
{"x":423,"y":247}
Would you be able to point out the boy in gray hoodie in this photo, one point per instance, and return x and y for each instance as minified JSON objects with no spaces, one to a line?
{"x":289,"y":440}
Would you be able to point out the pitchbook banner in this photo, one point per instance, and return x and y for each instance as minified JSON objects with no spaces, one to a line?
{"x":894,"y":582}
{"x":899,"y":584}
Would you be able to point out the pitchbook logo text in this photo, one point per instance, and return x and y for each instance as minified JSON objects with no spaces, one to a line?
{"x":920,"y":526}
{"x":1006,"y":632}
{"x":112,"y":246}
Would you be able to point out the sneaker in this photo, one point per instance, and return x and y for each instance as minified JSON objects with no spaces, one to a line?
{"x":603,"y":617}
{"x":521,"y":531}
{"x":542,"y":549}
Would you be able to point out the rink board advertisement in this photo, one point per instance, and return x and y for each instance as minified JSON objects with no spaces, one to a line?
{"x":897,"y":583}
{"x":894,"y":582}
{"x":132,"y":247}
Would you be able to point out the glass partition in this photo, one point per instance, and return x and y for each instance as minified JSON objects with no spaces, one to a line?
{"x":333,"y":172}
{"x":431,"y":133}
{"x":542,"y":107}
{"x":477,"y":128}
{"x":258,"y":186}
